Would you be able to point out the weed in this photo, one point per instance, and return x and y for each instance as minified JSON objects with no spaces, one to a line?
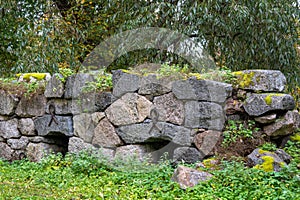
{"x":237,"y":129}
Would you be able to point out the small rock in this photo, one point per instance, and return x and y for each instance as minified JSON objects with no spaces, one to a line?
{"x":20,"y":143}
{"x":284,"y":126}
{"x":77,"y":145}
{"x":266,"y":160}
{"x":54,"y":87}
{"x":75,"y":84}
{"x":26,"y":126}
{"x":8,"y":103}
{"x":6,"y":151}
{"x":129,"y":109}
{"x":84,"y":127}
{"x":128,"y":152}
{"x":169,"y":109}
{"x":206,"y":142}
{"x":103,"y":100}
{"x":35,"y":152}
{"x":9,"y":129}
{"x":267,"y":119}
{"x":188,"y":177}
{"x":151,"y":85}
{"x":187,"y":155}
{"x":124,"y":83}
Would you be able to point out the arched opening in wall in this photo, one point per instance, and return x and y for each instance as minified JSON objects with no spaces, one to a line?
{"x":59,"y":143}
{"x":162,"y":150}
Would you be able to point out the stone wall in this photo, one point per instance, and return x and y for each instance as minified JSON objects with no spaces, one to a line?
{"x":142,"y":116}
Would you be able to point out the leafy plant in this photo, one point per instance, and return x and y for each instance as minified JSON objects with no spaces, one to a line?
{"x":103,"y":82}
{"x":268,"y":146}
{"x":237,"y":129}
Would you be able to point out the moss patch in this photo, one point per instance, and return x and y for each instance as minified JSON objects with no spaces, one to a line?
{"x":267,"y":165}
{"x":296,"y":137}
{"x":244,"y":79}
{"x":268,"y":98}
{"x":38,"y":76}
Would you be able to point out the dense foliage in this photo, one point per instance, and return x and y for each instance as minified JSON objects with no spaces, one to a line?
{"x":44,"y":35}
{"x":86,"y":177}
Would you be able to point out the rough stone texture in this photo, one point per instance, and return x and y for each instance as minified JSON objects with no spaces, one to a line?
{"x":267,"y":119}
{"x":129,"y":109}
{"x":64,"y":126}
{"x":1,"y":139}
{"x":35,"y":152}
{"x":151,"y":85}
{"x":49,"y":140}
{"x":75,"y":83}
{"x":204,"y":90}
{"x":62,"y":106}
{"x":6,"y":151}
{"x":150,"y":132}
{"x":187,"y":155}
{"x":54,"y":87}
{"x":128,"y":152}
{"x":188,"y":177}
{"x":9,"y":129}
{"x":204,"y":115}
{"x":84,"y":127}
{"x":169,"y":109}
{"x":257,"y":158}
{"x":26,"y":126}
{"x":18,"y":143}
{"x":31,"y":106}
{"x":77,"y":145}
{"x":261,"y":80}
{"x":124,"y":83}
{"x":233,"y":106}
{"x":103,"y":100}
{"x":284,"y":126}
{"x":4,"y":118}
{"x":258,"y":104}
{"x":206,"y":142}
{"x":105,"y":135}
{"x":8,"y":103}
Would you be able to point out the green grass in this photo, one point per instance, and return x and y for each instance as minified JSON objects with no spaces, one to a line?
{"x":86,"y":177}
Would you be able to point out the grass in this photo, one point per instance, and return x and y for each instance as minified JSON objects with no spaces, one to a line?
{"x":86,"y":177}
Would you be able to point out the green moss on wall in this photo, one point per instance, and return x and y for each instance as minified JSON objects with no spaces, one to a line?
{"x":244,"y":80}
{"x":267,"y":164}
{"x":268,"y":98}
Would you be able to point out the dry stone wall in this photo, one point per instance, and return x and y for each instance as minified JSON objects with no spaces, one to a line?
{"x":142,"y":116}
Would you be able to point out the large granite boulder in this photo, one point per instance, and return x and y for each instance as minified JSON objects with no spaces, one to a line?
{"x":60,"y":125}
{"x":261,"y":80}
{"x":54,"y":87}
{"x":8,"y":103}
{"x":205,"y":115}
{"x":75,"y":84}
{"x":204,"y":90}
{"x":187,"y":177}
{"x":153,"y":132}
{"x":129,"y":109}
{"x":124,"y":83}
{"x":9,"y":129}
{"x":105,"y":135}
{"x":169,"y":109}
{"x":32,"y":106}
{"x":284,"y":126}
{"x":259,"y":104}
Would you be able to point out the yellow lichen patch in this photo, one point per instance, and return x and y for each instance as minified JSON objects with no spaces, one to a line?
{"x":244,"y":79}
{"x":38,"y":76}
{"x":296,"y":137}
{"x":267,"y":165}
{"x":261,"y":151}
{"x":268,"y":98}
{"x":197,"y":75}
